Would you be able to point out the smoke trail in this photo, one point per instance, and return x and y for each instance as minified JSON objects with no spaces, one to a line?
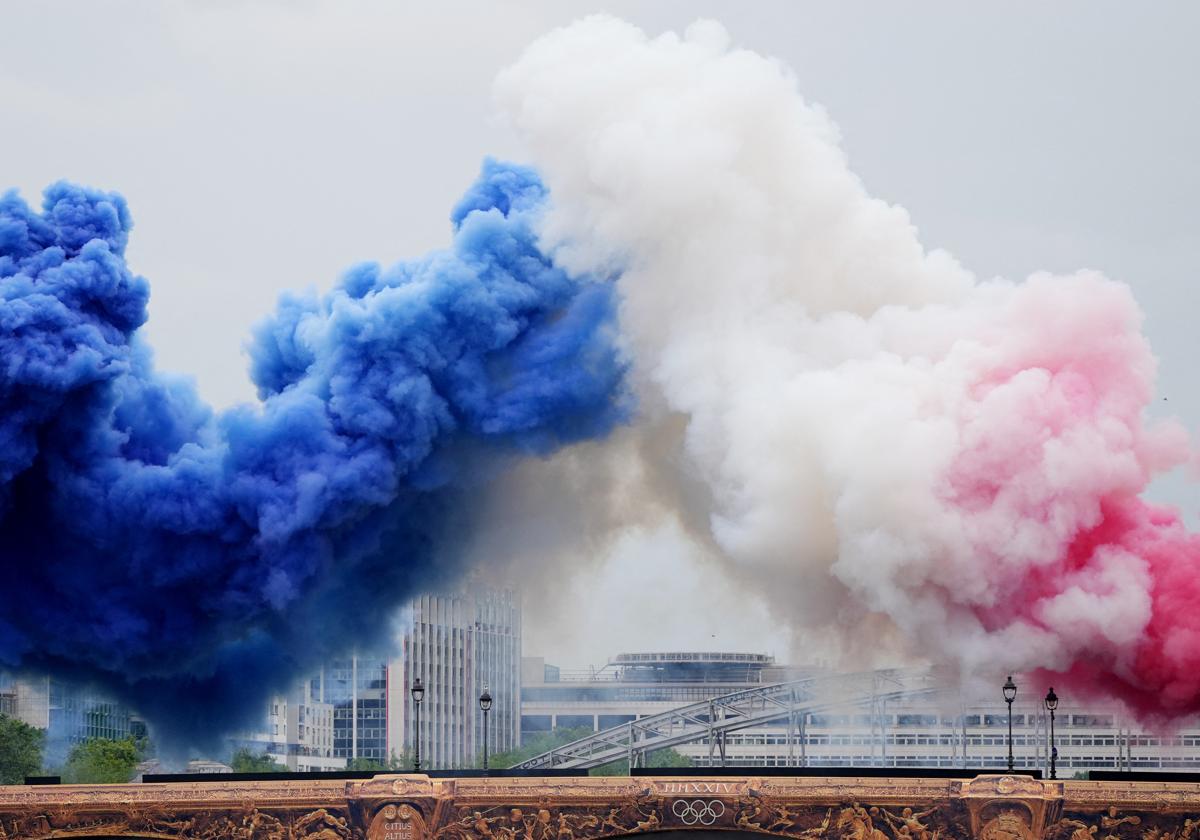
{"x":888,"y":446}
{"x":190,"y":562}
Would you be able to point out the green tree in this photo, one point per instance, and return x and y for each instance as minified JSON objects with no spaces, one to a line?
{"x":101,"y":761}
{"x":20,"y":750}
{"x":668,"y":758}
{"x":401,"y":763}
{"x":659,"y":758}
{"x":361,"y":763}
{"x":538,"y":744}
{"x":245,"y":761}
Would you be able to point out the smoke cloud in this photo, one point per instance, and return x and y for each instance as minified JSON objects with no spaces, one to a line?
{"x":893,"y":452}
{"x":190,"y":562}
{"x":891,"y":449}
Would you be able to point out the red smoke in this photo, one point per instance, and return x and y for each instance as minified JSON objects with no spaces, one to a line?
{"x":1160,"y":681}
{"x":1116,"y":548}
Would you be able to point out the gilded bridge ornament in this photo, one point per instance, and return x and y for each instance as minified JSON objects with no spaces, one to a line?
{"x":397,"y":822}
{"x":414,"y":807}
{"x":1007,"y":825}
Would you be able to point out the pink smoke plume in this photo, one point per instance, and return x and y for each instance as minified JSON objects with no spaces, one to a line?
{"x":1052,"y":434}
{"x":893,"y":451}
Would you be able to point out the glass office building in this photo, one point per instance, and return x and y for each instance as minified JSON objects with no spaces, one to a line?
{"x":67,"y":712}
{"x":356,"y":687}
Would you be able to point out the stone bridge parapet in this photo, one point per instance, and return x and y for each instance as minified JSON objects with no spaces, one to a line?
{"x":415,"y":807}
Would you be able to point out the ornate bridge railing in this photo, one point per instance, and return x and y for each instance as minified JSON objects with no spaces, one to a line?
{"x":559,"y":808}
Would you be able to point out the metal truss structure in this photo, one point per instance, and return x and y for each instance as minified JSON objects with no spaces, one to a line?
{"x":711,"y":720}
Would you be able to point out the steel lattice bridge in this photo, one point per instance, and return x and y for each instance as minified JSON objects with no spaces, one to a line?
{"x":417,"y":807}
{"x":713,"y":719}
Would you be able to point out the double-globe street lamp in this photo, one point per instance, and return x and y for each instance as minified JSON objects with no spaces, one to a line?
{"x":1010,"y":694}
{"x":418,"y":694}
{"x":485,"y":703}
{"x":1051,"y":702}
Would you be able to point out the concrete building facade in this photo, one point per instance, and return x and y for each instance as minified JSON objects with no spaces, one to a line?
{"x":458,"y":645}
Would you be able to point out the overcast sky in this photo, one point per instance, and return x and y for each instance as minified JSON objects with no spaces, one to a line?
{"x":267,"y":146}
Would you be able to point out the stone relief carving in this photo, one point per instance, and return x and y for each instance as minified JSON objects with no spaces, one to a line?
{"x":245,"y":824}
{"x":417,"y":808}
{"x":1007,"y":824}
{"x":1115,"y":824}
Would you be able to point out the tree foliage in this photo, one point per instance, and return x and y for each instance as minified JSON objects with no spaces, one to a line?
{"x":245,"y":761}
{"x":20,"y":750}
{"x":397,"y":763}
{"x":538,"y":744}
{"x":101,"y":761}
{"x":659,"y":758}
{"x":667,"y":758}
{"x":361,"y":763}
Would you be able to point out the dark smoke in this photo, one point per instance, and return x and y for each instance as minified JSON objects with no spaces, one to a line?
{"x":190,"y":562}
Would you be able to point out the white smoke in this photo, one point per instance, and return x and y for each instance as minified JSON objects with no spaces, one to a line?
{"x":873,"y":438}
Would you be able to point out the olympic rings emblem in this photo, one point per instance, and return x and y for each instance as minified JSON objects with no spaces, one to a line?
{"x":698,"y":811}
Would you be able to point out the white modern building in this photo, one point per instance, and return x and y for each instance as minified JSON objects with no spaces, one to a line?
{"x":457,"y":644}
{"x":299,"y":729}
{"x":939,"y":732}
{"x":633,"y":685}
{"x":916,"y":720}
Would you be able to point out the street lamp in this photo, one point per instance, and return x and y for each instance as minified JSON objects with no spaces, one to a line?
{"x":1010,"y":694}
{"x":485,"y":703}
{"x":418,"y":694}
{"x":1051,"y":702}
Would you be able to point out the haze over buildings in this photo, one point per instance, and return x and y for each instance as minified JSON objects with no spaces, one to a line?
{"x":68,"y":713}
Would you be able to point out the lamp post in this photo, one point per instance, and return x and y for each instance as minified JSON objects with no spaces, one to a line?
{"x":1051,"y":702}
{"x":485,"y":703}
{"x":418,"y":694}
{"x":1010,"y":694}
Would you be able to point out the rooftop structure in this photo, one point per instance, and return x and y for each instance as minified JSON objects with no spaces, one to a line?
{"x":633,"y":685}
{"x":704,"y":667}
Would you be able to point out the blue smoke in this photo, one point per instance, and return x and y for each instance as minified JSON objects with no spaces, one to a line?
{"x":191,"y":562}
